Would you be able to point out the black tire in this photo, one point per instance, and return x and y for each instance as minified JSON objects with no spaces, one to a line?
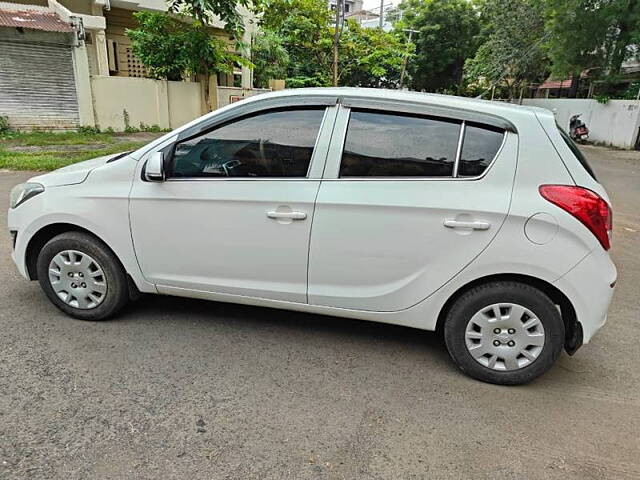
{"x":117,"y":292}
{"x":488,"y":294}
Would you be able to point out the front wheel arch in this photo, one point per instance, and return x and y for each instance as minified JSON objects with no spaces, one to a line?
{"x":567,"y":311}
{"x":46,"y":233}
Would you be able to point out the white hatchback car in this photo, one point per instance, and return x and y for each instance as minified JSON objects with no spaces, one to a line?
{"x":434,"y":212}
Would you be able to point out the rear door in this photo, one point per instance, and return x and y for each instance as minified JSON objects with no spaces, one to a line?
{"x":407,"y":201}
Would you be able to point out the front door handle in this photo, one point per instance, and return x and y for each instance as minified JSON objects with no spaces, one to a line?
{"x":287,"y":215}
{"x":477,"y":225}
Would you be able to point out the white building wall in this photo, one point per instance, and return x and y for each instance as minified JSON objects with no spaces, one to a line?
{"x":614,"y":123}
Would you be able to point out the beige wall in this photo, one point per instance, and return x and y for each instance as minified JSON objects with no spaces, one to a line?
{"x":142,"y":98}
{"x":184,"y":102}
{"x":153,"y":102}
{"x":78,"y":6}
{"x":227,"y":95}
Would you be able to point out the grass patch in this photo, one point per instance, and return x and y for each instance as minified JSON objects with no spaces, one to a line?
{"x":46,"y":160}
{"x":38,"y":139}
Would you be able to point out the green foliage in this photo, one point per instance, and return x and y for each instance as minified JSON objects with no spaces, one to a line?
{"x":448,"y":34}
{"x":204,"y":11}
{"x":371,"y":57}
{"x":269,"y":57}
{"x":303,"y":29}
{"x":512,"y":52}
{"x":86,"y":129}
{"x":176,"y":48}
{"x":52,"y":159}
{"x":4,"y":125}
{"x":44,"y":138}
{"x":591,"y":34}
{"x":631,"y":92}
{"x":602,"y":98}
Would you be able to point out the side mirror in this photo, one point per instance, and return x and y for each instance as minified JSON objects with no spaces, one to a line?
{"x":154,"y":169}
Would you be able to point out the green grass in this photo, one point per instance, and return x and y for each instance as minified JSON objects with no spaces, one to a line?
{"x":50,"y":159}
{"x":54,"y":138}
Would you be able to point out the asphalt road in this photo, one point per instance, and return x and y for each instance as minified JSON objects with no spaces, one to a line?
{"x":178,"y":388}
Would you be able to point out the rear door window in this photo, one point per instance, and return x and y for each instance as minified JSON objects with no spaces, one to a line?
{"x":393,"y":145}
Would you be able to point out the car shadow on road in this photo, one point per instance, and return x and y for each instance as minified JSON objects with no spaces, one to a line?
{"x":255,"y":320}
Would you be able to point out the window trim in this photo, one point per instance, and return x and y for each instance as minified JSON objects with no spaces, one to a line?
{"x":463,"y":125}
{"x":420,"y":108}
{"x":171,"y":155}
{"x":242,"y":109}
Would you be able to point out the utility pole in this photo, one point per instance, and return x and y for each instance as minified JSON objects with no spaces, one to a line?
{"x":406,"y":57}
{"x":381,"y":13}
{"x":336,"y":42}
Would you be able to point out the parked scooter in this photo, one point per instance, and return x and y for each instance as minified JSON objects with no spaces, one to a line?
{"x":578,"y":131}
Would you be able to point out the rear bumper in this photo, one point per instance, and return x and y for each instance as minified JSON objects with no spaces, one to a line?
{"x":590,"y":286}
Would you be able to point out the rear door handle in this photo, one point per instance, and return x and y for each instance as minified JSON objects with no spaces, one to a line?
{"x":477,"y":225}
{"x":287,"y":215}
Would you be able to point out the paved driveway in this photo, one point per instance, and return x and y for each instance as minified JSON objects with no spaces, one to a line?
{"x":178,"y":388}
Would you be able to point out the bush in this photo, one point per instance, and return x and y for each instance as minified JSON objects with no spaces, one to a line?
{"x":4,"y":125}
{"x":87,"y":130}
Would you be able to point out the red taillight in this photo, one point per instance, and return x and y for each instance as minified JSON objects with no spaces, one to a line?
{"x":587,"y":206}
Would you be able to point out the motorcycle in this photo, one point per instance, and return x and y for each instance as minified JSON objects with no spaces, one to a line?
{"x":578,"y":131}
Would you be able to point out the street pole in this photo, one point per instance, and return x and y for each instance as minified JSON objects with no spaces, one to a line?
{"x":381,"y":13}
{"x":406,"y":57}
{"x":336,"y":41}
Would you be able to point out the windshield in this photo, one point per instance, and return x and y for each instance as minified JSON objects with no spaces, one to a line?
{"x":576,"y":151}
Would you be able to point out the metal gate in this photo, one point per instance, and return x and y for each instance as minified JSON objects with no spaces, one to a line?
{"x":37,"y":85}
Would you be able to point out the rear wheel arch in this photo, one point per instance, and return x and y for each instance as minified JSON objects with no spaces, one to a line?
{"x":567,"y":311}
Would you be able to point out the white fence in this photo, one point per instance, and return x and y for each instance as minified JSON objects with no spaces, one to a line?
{"x":615,"y":123}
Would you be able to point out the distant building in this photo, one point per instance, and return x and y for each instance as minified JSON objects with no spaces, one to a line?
{"x":50,"y":50}
{"x":350,"y":6}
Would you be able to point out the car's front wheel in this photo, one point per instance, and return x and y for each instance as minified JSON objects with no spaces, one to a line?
{"x":504,"y":332}
{"x":82,"y":277}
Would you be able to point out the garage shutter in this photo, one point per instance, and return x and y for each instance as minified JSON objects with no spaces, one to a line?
{"x":37,"y":87}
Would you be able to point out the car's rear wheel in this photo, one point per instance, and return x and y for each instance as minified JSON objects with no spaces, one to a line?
{"x":82,"y":277}
{"x":504,"y":332}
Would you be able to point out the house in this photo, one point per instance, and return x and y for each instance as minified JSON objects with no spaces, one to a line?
{"x":59,"y":61}
{"x":350,"y":6}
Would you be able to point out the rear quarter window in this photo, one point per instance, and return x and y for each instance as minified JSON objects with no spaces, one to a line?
{"x":576,"y":152}
{"x":479,"y":147}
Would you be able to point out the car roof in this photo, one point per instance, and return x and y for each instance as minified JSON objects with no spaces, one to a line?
{"x":500,"y":108}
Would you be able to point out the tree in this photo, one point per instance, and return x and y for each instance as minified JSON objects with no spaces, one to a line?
{"x":269,"y":57}
{"x":367,"y":57}
{"x":591,"y":34}
{"x":175,"y":48}
{"x":205,"y":10}
{"x":512,"y":52}
{"x":303,"y":27}
{"x":371,"y":57}
{"x":447,"y":35}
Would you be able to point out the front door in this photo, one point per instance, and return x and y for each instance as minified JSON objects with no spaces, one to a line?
{"x":234,"y":215}
{"x":406,"y":204}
